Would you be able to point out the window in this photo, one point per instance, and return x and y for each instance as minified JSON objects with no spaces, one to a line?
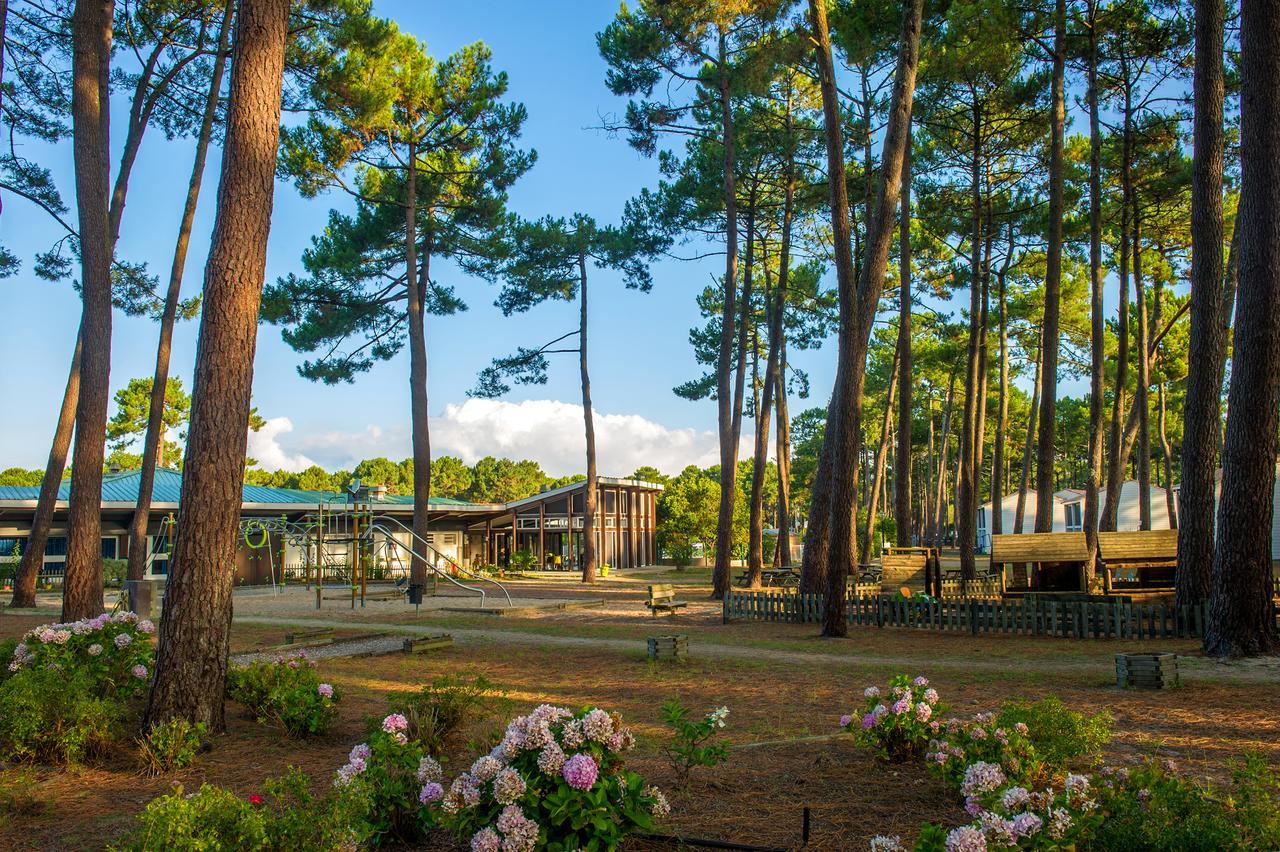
{"x":11,"y":546}
{"x":1075,"y":522}
{"x":982,"y":517}
{"x":109,"y":547}
{"x":55,"y":545}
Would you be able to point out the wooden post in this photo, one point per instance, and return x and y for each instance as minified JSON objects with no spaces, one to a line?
{"x":355,"y":551}
{"x":568,"y":505}
{"x":320,"y":556}
{"x":542,"y":544}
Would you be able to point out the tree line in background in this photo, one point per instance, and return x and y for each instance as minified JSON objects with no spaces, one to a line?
{"x":790,"y":138}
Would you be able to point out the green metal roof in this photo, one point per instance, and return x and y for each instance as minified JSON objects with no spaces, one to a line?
{"x":123,"y":488}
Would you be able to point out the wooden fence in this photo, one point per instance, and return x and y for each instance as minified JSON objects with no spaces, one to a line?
{"x":1028,"y":616}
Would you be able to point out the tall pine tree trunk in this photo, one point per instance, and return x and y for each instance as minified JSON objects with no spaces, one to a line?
{"x":783,"y":451}
{"x":858,"y":307}
{"x":1166,"y":452}
{"x":1241,"y":613}
{"x":1045,"y":504}
{"x":755,"y":544}
{"x":24,"y":581}
{"x":999,"y":456}
{"x":90,"y":108}
{"x":1028,"y":448}
{"x":590,"y":557}
{"x":415,"y":291}
{"x":1117,"y":458}
{"x":881,"y":462}
{"x":1202,"y":408}
{"x":902,"y":462}
{"x":1097,"y":320}
{"x":191,"y":662}
{"x":724,"y":400}
{"x":967,"y":482}
{"x":1140,"y":397}
{"x":153,"y":444}
{"x":940,"y":501}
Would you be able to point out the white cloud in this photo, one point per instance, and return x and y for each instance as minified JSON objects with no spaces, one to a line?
{"x":547,"y":431}
{"x":264,"y":445}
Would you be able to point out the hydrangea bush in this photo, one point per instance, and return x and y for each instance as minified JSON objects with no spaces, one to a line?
{"x":556,"y":781}
{"x":286,"y":691}
{"x":111,"y":655}
{"x":982,"y":740}
{"x":899,"y":723}
{"x":395,"y":778}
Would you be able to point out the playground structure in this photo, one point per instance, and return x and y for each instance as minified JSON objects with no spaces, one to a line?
{"x":350,"y":551}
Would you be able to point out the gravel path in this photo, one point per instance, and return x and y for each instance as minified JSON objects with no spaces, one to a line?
{"x":340,"y":648}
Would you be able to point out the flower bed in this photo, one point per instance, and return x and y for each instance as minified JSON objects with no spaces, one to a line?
{"x":286,"y":691}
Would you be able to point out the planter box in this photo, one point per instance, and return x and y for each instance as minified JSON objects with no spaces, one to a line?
{"x":669,"y":647}
{"x":1147,"y":671}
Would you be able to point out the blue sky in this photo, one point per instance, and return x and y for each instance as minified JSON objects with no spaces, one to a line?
{"x":639,"y":344}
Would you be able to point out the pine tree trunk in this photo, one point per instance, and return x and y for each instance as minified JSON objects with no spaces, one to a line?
{"x":724,"y":400}
{"x":902,"y":462}
{"x":90,"y":108}
{"x":415,"y":290}
{"x":1052,"y":280}
{"x":24,"y":581}
{"x":1097,"y":320}
{"x":153,"y":444}
{"x":858,"y":308}
{"x":880,"y":463}
{"x":967,"y":483}
{"x":1024,"y":481}
{"x":1241,"y":613}
{"x":999,"y":456}
{"x":1202,"y":408}
{"x":1166,"y":452}
{"x":1141,"y":398}
{"x":783,"y":451}
{"x":590,"y":558}
{"x":1116,"y":457}
{"x":191,"y":663}
{"x":940,"y":502}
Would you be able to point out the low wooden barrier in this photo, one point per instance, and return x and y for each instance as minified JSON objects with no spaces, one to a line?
{"x":1029,"y":616}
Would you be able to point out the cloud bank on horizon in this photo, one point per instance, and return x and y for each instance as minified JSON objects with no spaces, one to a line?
{"x":547,"y":431}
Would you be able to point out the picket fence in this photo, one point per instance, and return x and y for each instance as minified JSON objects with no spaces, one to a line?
{"x":1028,"y":616}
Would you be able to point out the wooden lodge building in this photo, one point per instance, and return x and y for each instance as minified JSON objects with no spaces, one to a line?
{"x":548,"y":525}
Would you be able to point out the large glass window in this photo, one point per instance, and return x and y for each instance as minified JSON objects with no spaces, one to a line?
{"x":110,"y":545}
{"x":10,"y":546}
{"x":55,"y":545}
{"x":1075,"y":522}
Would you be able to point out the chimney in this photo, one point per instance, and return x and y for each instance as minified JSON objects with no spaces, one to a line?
{"x":377,"y":492}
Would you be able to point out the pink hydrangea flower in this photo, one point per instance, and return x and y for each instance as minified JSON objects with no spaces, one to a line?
{"x":486,"y":840}
{"x":1025,"y":825}
{"x":325,"y":690}
{"x":145,"y":626}
{"x":846,"y":720}
{"x":431,"y":792}
{"x":980,"y":778}
{"x":360,"y":751}
{"x":871,"y":692}
{"x":139,"y":671}
{"x":95,"y":650}
{"x":869,"y":721}
{"x":395,"y":723}
{"x":660,"y":807}
{"x":902,"y":706}
{"x":508,"y":785}
{"x":580,"y":771}
{"x":966,"y":838}
{"x":122,"y":640}
{"x":923,"y":711}
{"x":428,"y":770}
{"x":920,"y":681}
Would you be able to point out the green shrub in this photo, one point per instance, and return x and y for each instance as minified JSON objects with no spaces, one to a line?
{"x":1062,"y":738}
{"x":391,"y":772}
{"x":692,"y":741}
{"x":288,"y":818}
{"x":171,"y":745}
{"x":7,"y":647}
{"x":51,"y":718}
{"x":445,"y":706}
{"x":210,"y":818}
{"x":1154,"y":809}
{"x":114,"y":571}
{"x":111,"y":655}
{"x":287,"y":692}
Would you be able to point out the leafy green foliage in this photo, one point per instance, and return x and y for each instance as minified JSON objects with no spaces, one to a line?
{"x":1063,"y":738}
{"x":171,"y":745}
{"x":447,"y":706}
{"x":1155,"y":809}
{"x":287,"y":692}
{"x":51,"y":718}
{"x":288,"y":818}
{"x":692,"y":742}
{"x":133,"y":407}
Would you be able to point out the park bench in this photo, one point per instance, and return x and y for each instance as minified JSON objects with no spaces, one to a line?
{"x":1057,"y":559}
{"x":662,"y":598}
{"x":770,"y":577}
{"x":1141,"y":558}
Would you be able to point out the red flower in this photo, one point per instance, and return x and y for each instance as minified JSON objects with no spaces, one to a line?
{"x":255,"y":799}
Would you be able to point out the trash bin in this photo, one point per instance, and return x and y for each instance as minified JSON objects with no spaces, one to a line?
{"x":415,"y":593}
{"x":144,"y":595}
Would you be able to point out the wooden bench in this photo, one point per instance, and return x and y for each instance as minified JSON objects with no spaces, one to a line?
{"x":662,"y":598}
{"x":1147,"y":558}
{"x":1058,"y":558}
